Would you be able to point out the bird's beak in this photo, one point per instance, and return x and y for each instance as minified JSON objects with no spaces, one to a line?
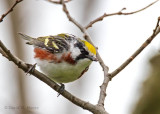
{"x":92,"y":58}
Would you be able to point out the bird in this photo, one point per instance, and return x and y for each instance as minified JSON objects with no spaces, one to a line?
{"x":64,"y":57}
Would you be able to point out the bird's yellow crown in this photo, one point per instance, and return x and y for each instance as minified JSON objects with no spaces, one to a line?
{"x":90,"y":47}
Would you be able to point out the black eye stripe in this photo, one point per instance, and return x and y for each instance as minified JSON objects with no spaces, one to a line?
{"x":80,"y":45}
{"x":83,"y":54}
{"x":83,"y":51}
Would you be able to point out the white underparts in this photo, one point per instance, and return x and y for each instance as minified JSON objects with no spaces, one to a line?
{"x":63,"y":72}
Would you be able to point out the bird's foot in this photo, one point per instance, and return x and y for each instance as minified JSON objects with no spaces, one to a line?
{"x":31,"y":68}
{"x":61,"y":89}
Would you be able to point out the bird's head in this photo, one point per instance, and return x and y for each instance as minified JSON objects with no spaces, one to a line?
{"x":84,"y":50}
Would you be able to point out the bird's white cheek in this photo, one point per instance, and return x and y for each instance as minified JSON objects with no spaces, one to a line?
{"x":75,"y":52}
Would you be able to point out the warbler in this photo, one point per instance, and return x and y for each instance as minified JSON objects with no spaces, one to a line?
{"x":64,"y":57}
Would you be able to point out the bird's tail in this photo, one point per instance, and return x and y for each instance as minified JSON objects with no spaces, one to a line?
{"x":26,"y":37}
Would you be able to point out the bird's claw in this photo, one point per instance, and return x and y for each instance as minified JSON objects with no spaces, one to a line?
{"x":31,"y":68}
{"x":61,"y":89}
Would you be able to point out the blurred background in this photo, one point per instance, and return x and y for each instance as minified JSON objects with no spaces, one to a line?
{"x":135,"y":90}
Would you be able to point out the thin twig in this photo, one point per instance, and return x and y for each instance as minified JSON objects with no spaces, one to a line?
{"x":70,"y":18}
{"x":10,"y":10}
{"x":156,"y":31}
{"x":105,"y":68}
{"x":58,"y":2}
{"x":83,"y":30}
{"x":117,"y":13}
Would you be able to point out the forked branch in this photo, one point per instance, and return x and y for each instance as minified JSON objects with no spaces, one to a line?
{"x":117,"y":13}
{"x":99,"y":108}
{"x":103,"y":87}
{"x":10,"y":10}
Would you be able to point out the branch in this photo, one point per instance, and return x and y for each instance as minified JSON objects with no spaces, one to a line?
{"x":25,"y":67}
{"x":70,"y":18}
{"x":117,"y":13}
{"x":58,"y":2}
{"x":3,"y":53}
{"x":156,"y":31}
{"x":10,"y":10}
{"x":105,"y":68}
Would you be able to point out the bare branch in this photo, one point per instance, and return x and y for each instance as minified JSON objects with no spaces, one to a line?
{"x":103,"y":88}
{"x":70,"y":18}
{"x":156,"y":31}
{"x":3,"y":53}
{"x":105,"y":68}
{"x":107,"y":76}
{"x":10,"y":10}
{"x":58,"y":2}
{"x":117,"y":13}
{"x":84,"y":31}
{"x":99,"y":109}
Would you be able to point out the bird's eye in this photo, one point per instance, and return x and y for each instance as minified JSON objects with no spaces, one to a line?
{"x":83,"y":51}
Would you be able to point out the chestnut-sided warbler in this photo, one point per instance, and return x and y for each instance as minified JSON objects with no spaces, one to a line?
{"x":63,"y":57}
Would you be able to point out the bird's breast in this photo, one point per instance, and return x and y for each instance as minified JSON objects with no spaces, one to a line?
{"x":43,"y":54}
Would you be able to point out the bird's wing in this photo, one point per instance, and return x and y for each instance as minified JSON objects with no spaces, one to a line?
{"x":53,"y":44}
